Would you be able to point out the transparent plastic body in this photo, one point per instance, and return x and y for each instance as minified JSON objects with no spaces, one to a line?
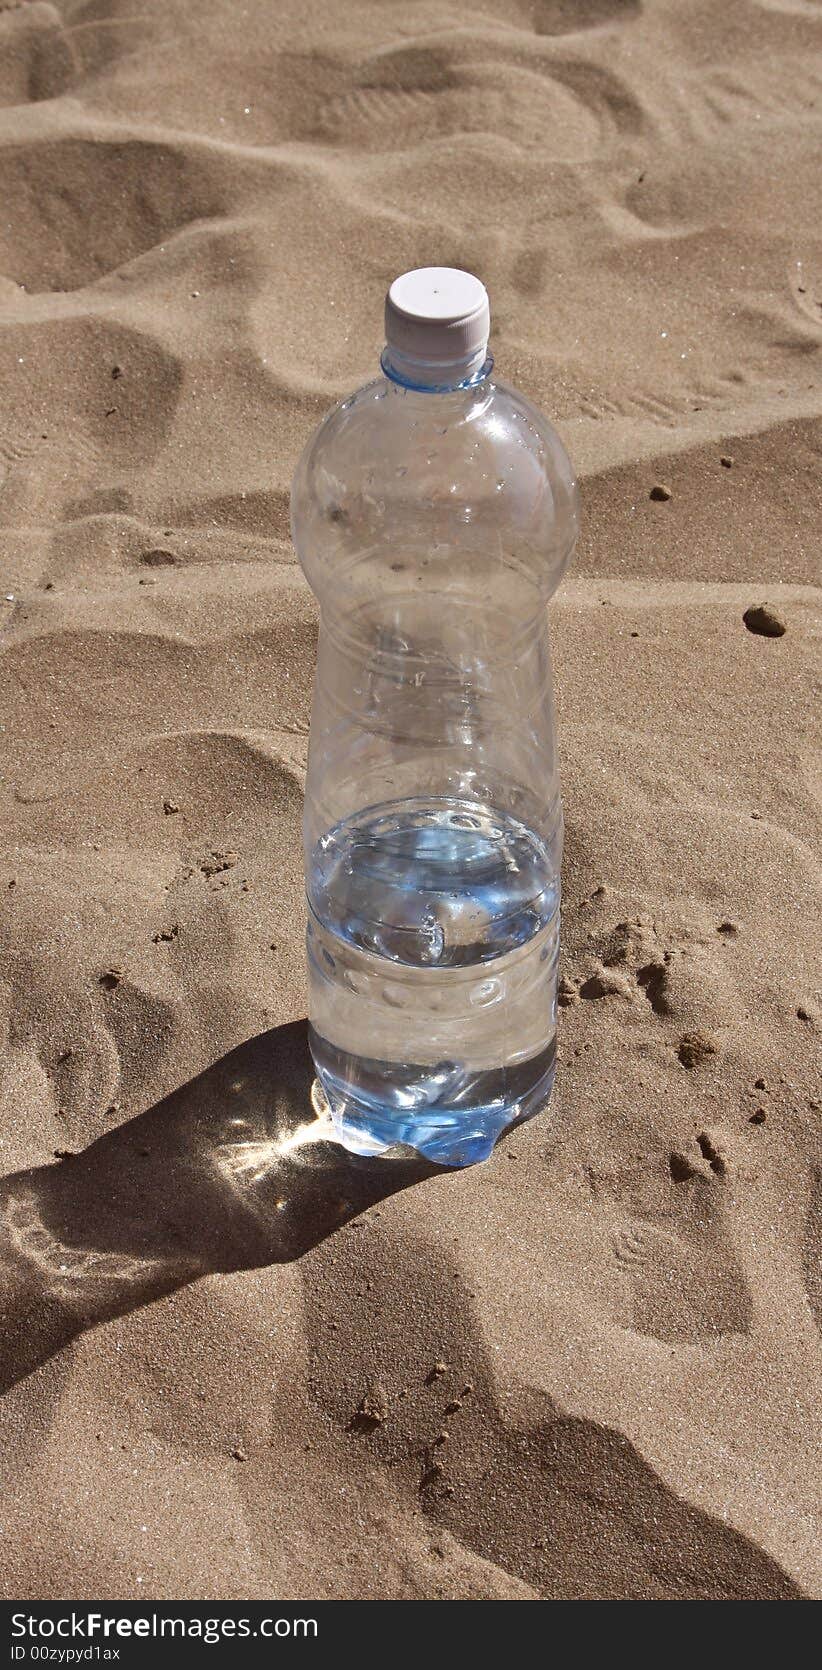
{"x":433,"y":527}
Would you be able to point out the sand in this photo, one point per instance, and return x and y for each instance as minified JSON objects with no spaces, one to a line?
{"x":236,"y":1364}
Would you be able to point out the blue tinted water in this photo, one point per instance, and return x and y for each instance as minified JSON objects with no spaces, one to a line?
{"x":432,"y":946}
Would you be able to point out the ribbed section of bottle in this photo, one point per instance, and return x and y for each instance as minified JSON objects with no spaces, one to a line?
{"x":433,"y":839}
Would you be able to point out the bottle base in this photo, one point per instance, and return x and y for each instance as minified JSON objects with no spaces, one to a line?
{"x":452,"y":1117}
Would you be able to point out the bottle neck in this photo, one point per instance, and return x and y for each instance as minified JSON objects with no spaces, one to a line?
{"x":435,"y":377}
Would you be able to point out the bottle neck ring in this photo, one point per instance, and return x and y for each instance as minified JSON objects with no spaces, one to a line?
{"x":435,"y":377}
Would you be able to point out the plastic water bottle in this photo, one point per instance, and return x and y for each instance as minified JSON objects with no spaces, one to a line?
{"x":433,"y":513}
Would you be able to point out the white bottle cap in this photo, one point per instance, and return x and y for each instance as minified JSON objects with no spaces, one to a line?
{"x":437,"y":321}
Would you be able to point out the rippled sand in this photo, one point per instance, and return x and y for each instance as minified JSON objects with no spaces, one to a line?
{"x":235,"y":1364}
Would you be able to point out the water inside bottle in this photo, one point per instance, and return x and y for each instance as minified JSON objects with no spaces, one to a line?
{"x":432,"y":956}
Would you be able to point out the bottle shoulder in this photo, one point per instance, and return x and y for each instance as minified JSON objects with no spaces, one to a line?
{"x":473,"y":468}
{"x":493,"y":416}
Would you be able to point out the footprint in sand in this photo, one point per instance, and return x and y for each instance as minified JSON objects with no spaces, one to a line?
{"x":67,"y":1270}
{"x":680,"y":971}
{"x":687,"y":1282}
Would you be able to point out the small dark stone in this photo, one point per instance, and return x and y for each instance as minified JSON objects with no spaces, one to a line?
{"x":111,"y":978}
{"x":803,"y":1014}
{"x":116,"y":372}
{"x":239,"y":1453}
{"x":726,"y":461}
{"x":170,"y":807}
{"x":759,"y":1084}
{"x":764,"y":621}
{"x":661,"y":493}
{"x":757,"y":1118}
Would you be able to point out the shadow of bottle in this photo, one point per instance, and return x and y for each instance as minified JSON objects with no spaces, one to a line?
{"x":231,"y":1172}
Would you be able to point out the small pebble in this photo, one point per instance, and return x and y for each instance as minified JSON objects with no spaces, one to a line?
{"x":169,"y":807}
{"x":726,"y":461}
{"x":373,"y":1407}
{"x":764,"y":621}
{"x":661,"y":493}
{"x":757,"y":1118}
